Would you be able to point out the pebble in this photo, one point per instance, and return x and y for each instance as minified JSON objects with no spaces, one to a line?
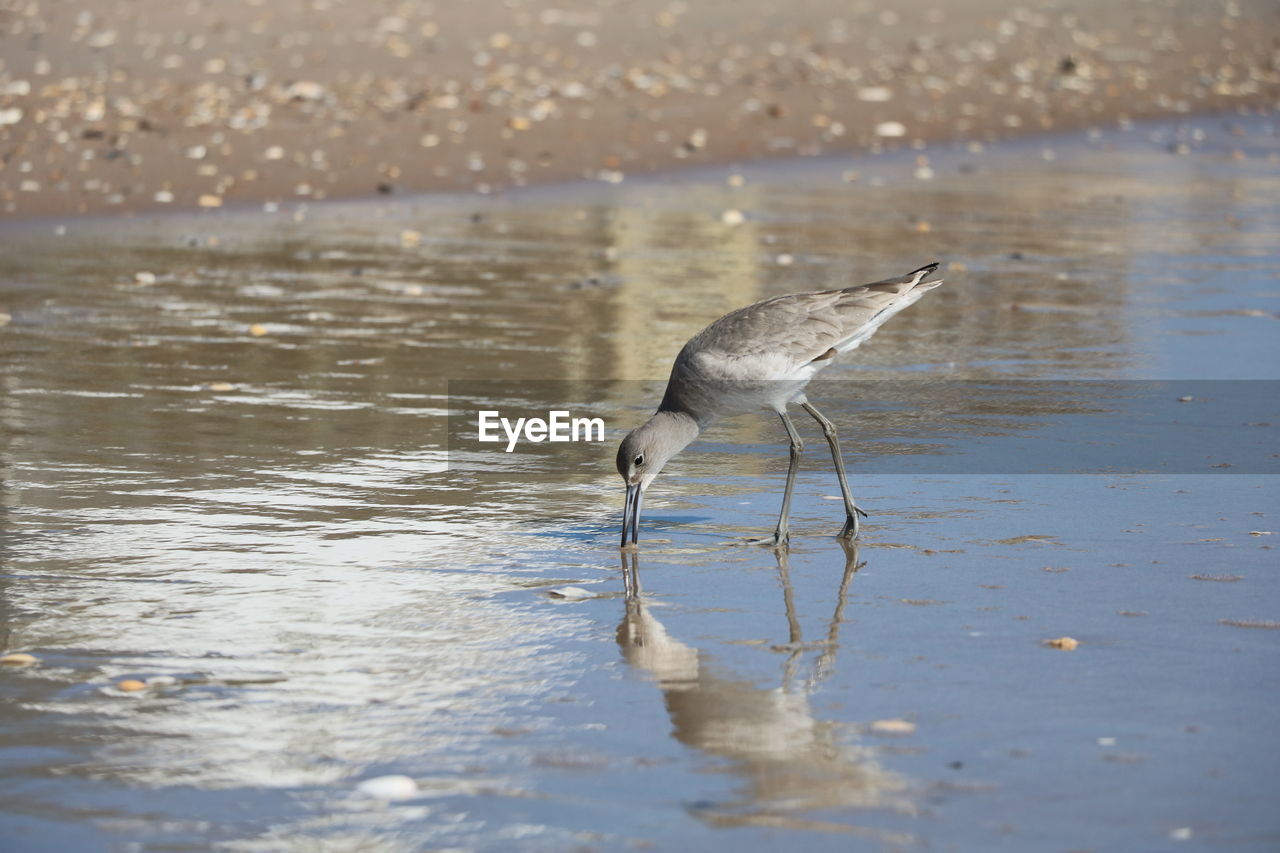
{"x":733,"y":217}
{"x":305,"y":90}
{"x":1066,"y":644}
{"x":893,"y":727}
{"x":875,"y":94}
{"x":18,"y":659}
{"x":131,"y":685}
{"x":572,"y":593}
{"x":144,"y":278}
{"x":891,"y":129}
{"x":257,"y":330}
{"x":389,"y":787}
{"x":209,"y":201}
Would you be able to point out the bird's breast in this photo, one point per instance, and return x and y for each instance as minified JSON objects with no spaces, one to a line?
{"x":712,"y":385}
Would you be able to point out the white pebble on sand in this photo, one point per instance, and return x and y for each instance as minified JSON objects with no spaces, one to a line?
{"x":875,"y":94}
{"x":389,"y":787}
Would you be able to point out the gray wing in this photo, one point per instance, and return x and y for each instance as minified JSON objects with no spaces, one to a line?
{"x":807,"y":327}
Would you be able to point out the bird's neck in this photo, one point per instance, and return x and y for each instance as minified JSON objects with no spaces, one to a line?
{"x":679,"y":402}
{"x":679,"y":427}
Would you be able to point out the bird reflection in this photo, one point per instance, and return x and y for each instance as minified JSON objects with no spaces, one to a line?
{"x":789,"y":761}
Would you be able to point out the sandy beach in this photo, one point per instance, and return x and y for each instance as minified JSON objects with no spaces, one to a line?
{"x":111,"y":106}
{"x":264,"y":589}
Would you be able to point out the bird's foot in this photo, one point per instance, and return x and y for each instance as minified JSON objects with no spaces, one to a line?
{"x":778,"y":539}
{"x":850,"y":529}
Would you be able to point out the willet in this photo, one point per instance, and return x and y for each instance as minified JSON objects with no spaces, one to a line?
{"x":762,"y":356}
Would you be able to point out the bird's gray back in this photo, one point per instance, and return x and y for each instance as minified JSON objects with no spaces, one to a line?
{"x":765,"y":353}
{"x":803,"y":326}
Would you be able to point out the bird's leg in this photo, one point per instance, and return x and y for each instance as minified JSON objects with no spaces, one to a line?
{"x":781,"y":534}
{"x":851,"y":509}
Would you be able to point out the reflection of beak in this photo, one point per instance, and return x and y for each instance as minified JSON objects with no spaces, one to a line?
{"x":631,"y":583}
{"x":631,"y":513}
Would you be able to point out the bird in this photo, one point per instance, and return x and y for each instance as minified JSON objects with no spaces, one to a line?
{"x":762,"y":356}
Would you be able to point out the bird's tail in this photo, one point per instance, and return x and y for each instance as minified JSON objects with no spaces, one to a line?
{"x":915,"y":277}
{"x":923,"y":271}
{"x":913,"y":283}
{"x":919,"y":275}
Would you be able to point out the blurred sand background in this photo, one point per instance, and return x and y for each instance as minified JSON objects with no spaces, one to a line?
{"x":126,"y":105}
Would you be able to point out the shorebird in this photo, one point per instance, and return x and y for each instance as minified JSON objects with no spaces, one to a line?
{"x":762,"y":356}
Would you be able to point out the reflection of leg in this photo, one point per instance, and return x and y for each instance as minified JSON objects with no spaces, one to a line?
{"x":796,"y":640}
{"x":822,"y":666}
{"x":851,"y":565}
{"x":781,"y":534}
{"x":851,"y":509}
{"x":788,"y":597}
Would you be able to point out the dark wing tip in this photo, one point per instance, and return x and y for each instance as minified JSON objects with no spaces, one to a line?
{"x":926,"y":269}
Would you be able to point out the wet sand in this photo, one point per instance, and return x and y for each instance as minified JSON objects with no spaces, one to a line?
{"x":253,"y":572}
{"x":129,"y":106}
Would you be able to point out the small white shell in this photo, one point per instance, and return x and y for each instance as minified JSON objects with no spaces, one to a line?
{"x":389,"y":787}
{"x":573,"y":593}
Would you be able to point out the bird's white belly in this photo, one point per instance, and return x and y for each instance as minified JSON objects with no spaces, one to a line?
{"x":728,"y":386}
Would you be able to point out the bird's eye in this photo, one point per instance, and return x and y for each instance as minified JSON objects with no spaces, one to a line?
{"x":639,"y":461}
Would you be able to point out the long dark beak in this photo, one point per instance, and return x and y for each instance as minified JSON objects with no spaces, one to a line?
{"x":631,"y":514}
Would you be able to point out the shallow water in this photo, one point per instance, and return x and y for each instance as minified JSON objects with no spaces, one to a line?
{"x":227,"y":462}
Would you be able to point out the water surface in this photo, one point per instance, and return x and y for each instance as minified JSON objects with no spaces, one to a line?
{"x":225,"y":464}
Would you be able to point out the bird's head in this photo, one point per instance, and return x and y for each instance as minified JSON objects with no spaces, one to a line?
{"x":643,"y":453}
{"x":648,"y":447}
